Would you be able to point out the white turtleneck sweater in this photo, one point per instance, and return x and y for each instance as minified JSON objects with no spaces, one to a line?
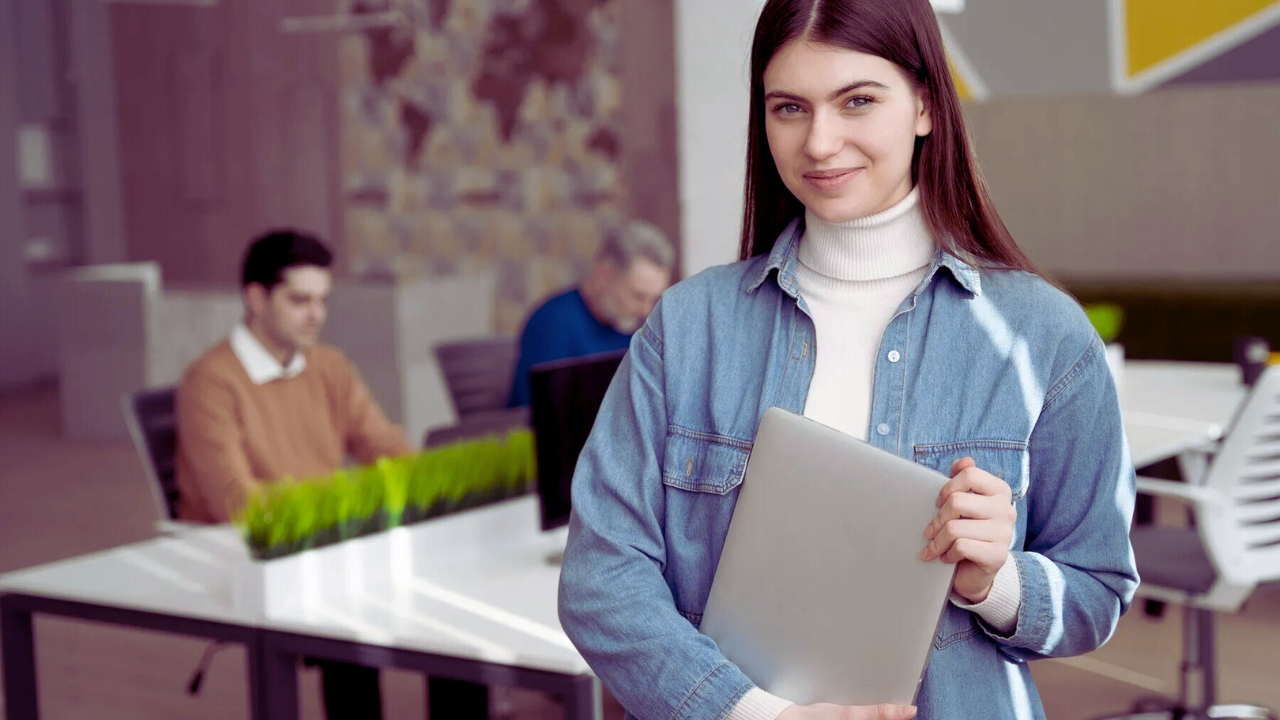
{"x":853,"y":276}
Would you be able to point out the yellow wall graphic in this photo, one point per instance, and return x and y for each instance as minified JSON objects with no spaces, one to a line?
{"x":962,"y":87}
{"x":1158,"y":30}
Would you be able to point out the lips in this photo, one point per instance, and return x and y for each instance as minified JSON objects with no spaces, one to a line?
{"x":831,"y":180}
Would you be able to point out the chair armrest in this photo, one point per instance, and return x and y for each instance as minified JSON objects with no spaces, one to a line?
{"x":1167,"y":488}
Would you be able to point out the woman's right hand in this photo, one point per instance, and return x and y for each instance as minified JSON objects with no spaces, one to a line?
{"x":826,"y":711}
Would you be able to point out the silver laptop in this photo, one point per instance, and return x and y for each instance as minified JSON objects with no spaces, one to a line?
{"x":820,"y":595}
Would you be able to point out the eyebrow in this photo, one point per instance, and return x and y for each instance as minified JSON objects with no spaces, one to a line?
{"x":856,"y":85}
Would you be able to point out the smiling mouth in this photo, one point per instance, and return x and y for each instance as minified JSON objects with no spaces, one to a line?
{"x":830,"y":174}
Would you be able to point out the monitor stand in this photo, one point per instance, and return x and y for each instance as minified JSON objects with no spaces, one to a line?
{"x":555,"y":557}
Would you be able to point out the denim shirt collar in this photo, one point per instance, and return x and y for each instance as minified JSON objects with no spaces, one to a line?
{"x":785,"y":255}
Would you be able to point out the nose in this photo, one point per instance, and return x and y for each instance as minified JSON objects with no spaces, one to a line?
{"x":823,"y":139}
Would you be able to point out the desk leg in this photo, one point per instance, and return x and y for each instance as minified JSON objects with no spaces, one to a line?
{"x":583,"y":701}
{"x":19,"y":652}
{"x":273,"y":681}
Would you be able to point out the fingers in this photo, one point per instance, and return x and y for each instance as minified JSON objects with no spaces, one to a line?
{"x":988,"y":556}
{"x":975,"y":480}
{"x":963,"y":463}
{"x":954,"y":530}
{"x":886,"y":711}
{"x":968,"y":506}
{"x":963,"y":506}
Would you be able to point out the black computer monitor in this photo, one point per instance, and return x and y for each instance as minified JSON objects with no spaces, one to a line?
{"x":565,"y":397}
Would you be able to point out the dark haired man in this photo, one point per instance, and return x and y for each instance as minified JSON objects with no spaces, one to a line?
{"x":272,"y":402}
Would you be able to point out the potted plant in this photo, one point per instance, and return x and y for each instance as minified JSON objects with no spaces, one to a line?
{"x":304,"y":534}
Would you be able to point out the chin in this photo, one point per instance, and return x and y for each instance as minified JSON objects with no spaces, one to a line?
{"x":627,"y":326}
{"x":838,"y":210}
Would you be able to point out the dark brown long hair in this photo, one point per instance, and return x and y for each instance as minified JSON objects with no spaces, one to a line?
{"x":954,"y":198}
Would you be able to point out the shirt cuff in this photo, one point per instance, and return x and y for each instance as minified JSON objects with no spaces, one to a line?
{"x":758,"y":705}
{"x":1000,"y":608}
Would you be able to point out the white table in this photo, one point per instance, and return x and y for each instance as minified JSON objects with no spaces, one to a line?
{"x":480,"y":602}
{"x":179,"y":586}
{"x":1171,"y":408}
{"x":479,"y":605}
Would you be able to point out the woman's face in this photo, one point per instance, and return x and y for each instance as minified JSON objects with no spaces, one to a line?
{"x":842,"y":127}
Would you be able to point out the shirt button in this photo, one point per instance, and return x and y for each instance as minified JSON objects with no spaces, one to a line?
{"x":894,"y":356}
{"x":883,"y":429}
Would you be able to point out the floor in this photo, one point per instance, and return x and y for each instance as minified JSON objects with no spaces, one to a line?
{"x":60,"y":498}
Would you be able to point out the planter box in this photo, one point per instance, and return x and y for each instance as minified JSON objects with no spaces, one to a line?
{"x":1115,"y":361}
{"x":292,"y":583}
{"x":288,"y":580}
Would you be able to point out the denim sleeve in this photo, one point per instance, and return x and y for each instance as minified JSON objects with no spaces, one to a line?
{"x":1077,"y":567}
{"x":614,"y":603}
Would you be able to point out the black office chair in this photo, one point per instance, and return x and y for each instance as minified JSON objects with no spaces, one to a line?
{"x":479,"y":425}
{"x":149,"y":414}
{"x":478,"y":373}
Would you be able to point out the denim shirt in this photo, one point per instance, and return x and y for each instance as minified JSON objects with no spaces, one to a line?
{"x":996,"y":365}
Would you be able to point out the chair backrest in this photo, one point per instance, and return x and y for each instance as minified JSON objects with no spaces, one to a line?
{"x":154,"y":429}
{"x":478,"y":372}
{"x":1242,"y":530}
{"x":498,"y":422}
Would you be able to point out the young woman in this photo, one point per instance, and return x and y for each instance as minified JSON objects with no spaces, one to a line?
{"x":880,"y":294}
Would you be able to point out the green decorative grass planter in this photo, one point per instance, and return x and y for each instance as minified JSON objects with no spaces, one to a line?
{"x":290,"y":516}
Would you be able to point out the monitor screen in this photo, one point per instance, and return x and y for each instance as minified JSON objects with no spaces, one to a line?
{"x":566,"y":395}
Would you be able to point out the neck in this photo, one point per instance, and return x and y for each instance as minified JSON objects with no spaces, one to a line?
{"x":886,"y":245}
{"x":282,"y":353}
{"x":591,"y":291}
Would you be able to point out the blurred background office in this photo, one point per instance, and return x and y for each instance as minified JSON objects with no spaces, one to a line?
{"x":466,"y":158}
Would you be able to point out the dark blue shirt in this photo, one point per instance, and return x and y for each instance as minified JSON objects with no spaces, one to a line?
{"x":562,"y":327}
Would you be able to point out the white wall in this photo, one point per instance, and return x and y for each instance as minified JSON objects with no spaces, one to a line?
{"x":713,"y":46}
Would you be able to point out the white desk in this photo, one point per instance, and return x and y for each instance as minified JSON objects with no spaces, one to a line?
{"x":480,"y":602}
{"x":479,"y":605}
{"x":1173,"y":407}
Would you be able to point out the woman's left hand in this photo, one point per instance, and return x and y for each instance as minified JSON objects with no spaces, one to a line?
{"x":974,"y":527}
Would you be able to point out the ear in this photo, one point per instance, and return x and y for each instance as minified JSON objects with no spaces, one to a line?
{"x":256,"y":299}
{"x":605,"y":272}
{"x":924,"y":119}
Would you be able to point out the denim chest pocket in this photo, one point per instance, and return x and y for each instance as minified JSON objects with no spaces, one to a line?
{"x":1006,"y":459}
{"x":703,"y":463}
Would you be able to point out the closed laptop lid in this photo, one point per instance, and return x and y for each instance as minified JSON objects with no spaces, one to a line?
{"x":820,"y":595}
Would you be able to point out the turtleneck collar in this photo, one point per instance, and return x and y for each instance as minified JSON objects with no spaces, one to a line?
{"x":886,"y":245}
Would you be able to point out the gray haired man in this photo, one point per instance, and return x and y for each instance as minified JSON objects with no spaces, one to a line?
{"x":630,"y":271}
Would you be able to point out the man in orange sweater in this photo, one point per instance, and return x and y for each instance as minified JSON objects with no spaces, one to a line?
{"x":271,"y":402}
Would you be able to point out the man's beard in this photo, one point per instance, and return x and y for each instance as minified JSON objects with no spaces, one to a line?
{"x":627,"y":325}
